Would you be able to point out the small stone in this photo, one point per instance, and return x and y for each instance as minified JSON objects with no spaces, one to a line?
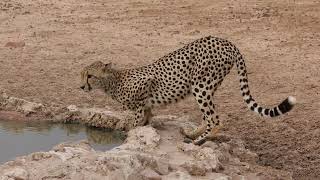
{"x":188,"y":148}
{"x":143,"y":138}
{"x":177,"y":175}
{"x":195,"y":168}
{"x":17,"y":174}
{"x":150,"y":174}
{"x":40,"y":155}
{"x":5,"y":96}
{"x":205,"y":154}
{"x":5,"y":178}
{"x":162,"y":166}
{"x":194,"y":32}
{"x":29,"y":107}
{"x":219,"y":176}
{"x":116,"y":175}
{"x":211,"y":145}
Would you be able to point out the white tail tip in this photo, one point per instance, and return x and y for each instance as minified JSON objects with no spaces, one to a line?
{"x":292,"y":100}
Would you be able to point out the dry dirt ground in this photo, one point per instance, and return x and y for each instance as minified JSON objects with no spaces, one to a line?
{"x":45,"y":43}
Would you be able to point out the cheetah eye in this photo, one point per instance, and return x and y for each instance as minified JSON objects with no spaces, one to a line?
{"x":89,"y":76}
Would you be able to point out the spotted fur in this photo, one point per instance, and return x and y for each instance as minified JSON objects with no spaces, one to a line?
{"x":197,"y":68}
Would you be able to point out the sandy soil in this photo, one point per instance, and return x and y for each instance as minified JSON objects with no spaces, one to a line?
{"x":44,"y":43}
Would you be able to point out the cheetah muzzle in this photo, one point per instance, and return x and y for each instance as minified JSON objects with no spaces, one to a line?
{"x":197,"y":68}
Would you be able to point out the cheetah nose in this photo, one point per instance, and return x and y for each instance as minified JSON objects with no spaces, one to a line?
{"x":82,"y":87}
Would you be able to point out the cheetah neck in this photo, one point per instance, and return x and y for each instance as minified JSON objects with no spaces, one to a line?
{"x":110,"y":83}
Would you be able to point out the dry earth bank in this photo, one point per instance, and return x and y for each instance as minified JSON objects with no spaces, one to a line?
{"x":44,"y":43}
{"x":147,"y":153}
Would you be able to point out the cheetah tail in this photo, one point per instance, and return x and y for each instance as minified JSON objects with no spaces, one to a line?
{"x":283,"y":107}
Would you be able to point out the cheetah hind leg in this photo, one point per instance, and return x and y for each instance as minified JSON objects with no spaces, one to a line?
{"x":215,"y":131}
{"x":210,"y":136}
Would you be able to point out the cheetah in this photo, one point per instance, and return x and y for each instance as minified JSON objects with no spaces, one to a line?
{"x":198,"y":68}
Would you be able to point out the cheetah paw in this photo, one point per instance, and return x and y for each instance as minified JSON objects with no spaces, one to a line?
{"x":187,"y":140}
{"x":199,"y":142}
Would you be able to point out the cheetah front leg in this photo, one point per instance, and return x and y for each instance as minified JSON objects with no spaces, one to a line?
{"x":142,"y":111}
{"x":142,"y":116}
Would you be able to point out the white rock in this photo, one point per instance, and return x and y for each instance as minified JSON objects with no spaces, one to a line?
{"x":23,"y":105}
{"x":205,"y":154}
{"x":195,"y":168}
{"x":149,"y":174}
{"x":6,"y":178}
{"x":116,"y":175}
{"x":142,"y":138}
{"x":211,"y":145}
{"x":219,"y":176}
{"x":40,"y":155}
{"x":162,"y":166}
{"x":125,"y":161}
{"x":188,"y":148}
{"x":17,"y":173}
{"x":178,"y":175}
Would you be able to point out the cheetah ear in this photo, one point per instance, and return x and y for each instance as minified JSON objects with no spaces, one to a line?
{"x":107,"y":67}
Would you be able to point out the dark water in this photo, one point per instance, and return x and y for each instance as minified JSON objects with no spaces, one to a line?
{"x":21,"y":138}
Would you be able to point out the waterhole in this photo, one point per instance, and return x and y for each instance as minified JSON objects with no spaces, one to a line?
{"x":24,"y":137}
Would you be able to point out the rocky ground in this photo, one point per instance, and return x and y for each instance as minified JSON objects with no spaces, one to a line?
{"x":149,"y":153}
{"x":156,"y":151}
{"x":45,"y":43}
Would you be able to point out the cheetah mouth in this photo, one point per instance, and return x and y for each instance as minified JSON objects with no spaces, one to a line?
{"x":86,"y":88}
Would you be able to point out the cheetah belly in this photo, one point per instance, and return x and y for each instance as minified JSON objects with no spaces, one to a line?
{"x":169,"y":90}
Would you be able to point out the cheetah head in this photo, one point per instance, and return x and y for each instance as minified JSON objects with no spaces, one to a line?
{"x":91,"y":75}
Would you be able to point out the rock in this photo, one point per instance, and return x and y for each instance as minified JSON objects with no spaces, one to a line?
{"x":205,"y":154}
{"x":4,"y":96}
{"x":219,"y":176}
{"x":40,"y":155}
{"x":237,"y":148}
{"x":144,"y":138}
{"x":125,"y":161}
{"x":188,"y":148}
{"x":162,"y":166}
{"x":17,"y":174}
{"x":149,"y":174}
{"x":194,"y":32}
{"x":68,"y":151}
{"x":142,"y":156}
{"x":211,"y":145}
{"x":96,"y":117}
{"x":21,"y":105}
{"x":116,"y":175}
{"x":246,"y":177}
{"x":177,"y":175}
{"x":195,"y":168}
{"x":156,"y":124}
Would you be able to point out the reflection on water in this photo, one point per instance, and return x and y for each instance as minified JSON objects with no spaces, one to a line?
{"x":21,"y":138}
